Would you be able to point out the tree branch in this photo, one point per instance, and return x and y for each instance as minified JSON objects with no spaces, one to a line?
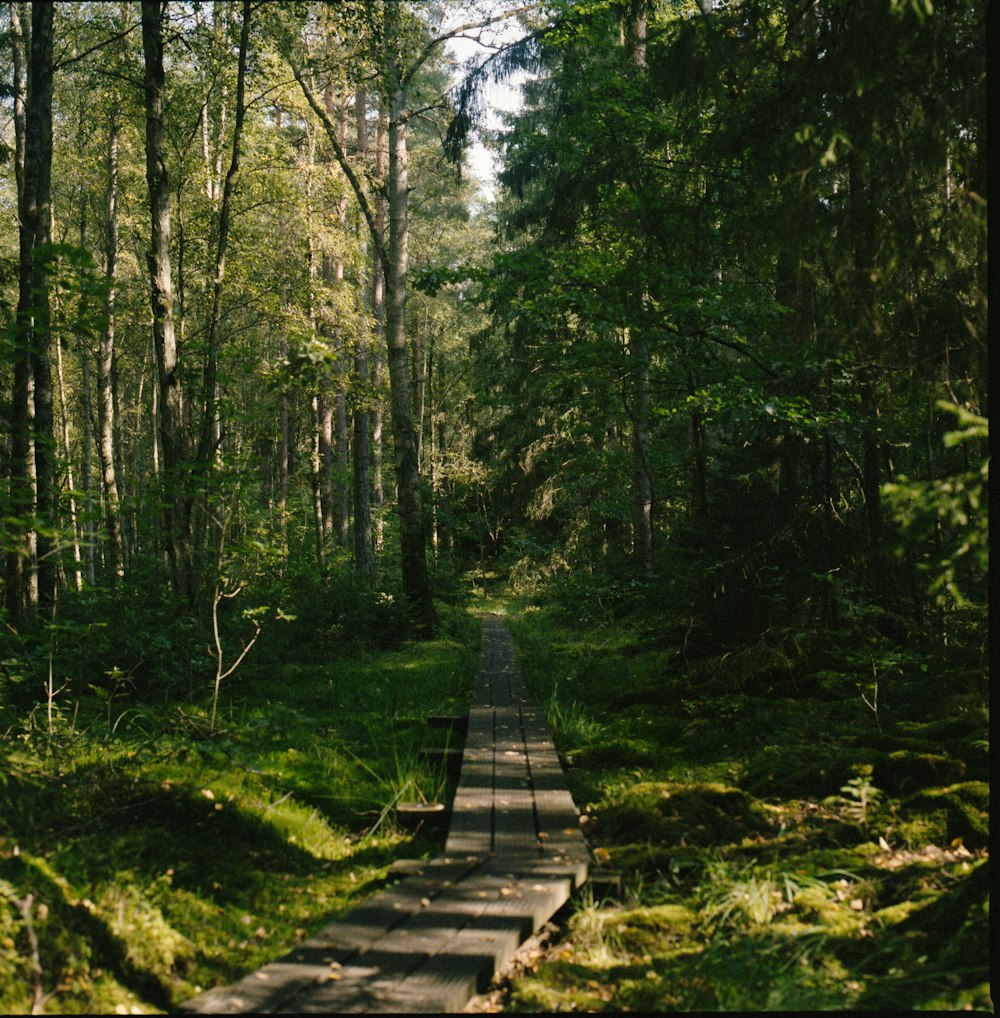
{"x":352,"y":178}
{"x":459,"y":30}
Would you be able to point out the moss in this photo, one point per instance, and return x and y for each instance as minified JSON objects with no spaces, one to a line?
{"x":968,"y":723}
{"x":803,"y":771}
{"x":906,"y":770}
{"x":893,"y":914}
{"x":820,"y":905}
{"x":966,"y":806}
{"x":937,"y":953}
{"x":652,"y":930}
{"x":895,"y":740}
{"x":671,"y":813}
{"x":926,"y":829}
{"x":616,"y":753}
{"x":643,"y":858}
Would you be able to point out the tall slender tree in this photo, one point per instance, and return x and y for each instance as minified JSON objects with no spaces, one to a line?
{"x":20,"y":590}
{"x":176,"y":497}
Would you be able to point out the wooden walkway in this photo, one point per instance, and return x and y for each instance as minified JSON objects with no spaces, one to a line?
{"x":432,"y":941}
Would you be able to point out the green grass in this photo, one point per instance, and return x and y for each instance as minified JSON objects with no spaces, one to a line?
{"x":780,"y":847}
{"x":143,"y":859}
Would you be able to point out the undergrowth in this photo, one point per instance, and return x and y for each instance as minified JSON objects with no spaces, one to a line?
{"x":782,"y":843}
{"x":145,"y":856}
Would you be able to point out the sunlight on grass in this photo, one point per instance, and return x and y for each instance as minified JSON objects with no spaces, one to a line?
{"x":777,"y":852}
{"x":160,"y":860}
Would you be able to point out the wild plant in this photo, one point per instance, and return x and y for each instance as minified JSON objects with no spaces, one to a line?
{"x":858,"y":798}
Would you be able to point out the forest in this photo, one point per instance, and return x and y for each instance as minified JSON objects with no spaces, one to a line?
{"x":693,"y":395}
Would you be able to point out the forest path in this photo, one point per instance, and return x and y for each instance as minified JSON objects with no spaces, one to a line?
{"x":432,"y":941}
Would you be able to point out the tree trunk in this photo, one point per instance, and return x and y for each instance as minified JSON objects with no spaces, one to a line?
{"x":411,"y":524}
{"x":338,"y":466}
{"x":420,"y":389}
{"x":211,"y":423}
{"x":413,"y":560}
{"x":324,"y":436}
{"x":105,"y":363}
{"x":177,"y":530}
{"x":283,"y":454}
{"x":642,"y":486}
{"x":431,"y":449}
{"x":866,"y":328}
{"x":378,"y":314}
{"x":364,"y":559}
{"x":316,"y":414}
{"x":343,"y":466}
{"x":67,"y":451}
{"x":20,"y":559}
{"x":37,"y":323}
{"x":87,"y":478}
{"x":317,"y":482}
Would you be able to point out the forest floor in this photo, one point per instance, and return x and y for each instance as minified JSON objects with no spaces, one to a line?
{"x":144,"y":858}
{"x":768,"y":840}
{"x":773,"y":841}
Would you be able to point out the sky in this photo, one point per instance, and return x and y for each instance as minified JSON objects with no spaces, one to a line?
{"x":505,"y":97}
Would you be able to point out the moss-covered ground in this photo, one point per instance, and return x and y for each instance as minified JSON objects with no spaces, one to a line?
{"x":144,"y":858}
{"x":783,"y":834}
{"x":783,"y":842}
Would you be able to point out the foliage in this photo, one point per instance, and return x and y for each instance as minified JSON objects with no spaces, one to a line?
{"x":951,"y":512}
{"x":760,"y":198}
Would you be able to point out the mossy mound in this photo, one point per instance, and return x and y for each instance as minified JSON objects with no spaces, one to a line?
{"x":616,"y":753}
{"x":966,"y":807}
{"x":704,"y":813}
{"x":952,"y":930}
{"x":804,"y":772}
{"x":906,"y":770}
{"x":91,"y":954}
{"x":636,"y":931}
{"x":644,"y":858}
{"x":968,"y":723}
{"x":816,"y":905}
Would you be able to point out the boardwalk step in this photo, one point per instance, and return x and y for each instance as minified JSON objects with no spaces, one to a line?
{"x":414,"y":816}
{"x":457,"y":723}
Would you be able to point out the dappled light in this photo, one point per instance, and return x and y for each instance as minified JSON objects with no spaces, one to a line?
{"x":564,"y":590}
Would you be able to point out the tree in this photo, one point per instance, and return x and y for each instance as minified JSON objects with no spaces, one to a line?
{"x":19,"y":588}
{"x":177,"y":530}
{"x":33,"y":490}
{"x":763,"y":207}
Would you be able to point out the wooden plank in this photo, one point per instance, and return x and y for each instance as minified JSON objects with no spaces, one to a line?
{"x":563,"y":847}
{"x":457,"y":965}
{"x":487,"y":944}
{"x":471,"y":830}
{"x":271,"y":986}
{"x":369,"y":982}
{"x":514,"y":807}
